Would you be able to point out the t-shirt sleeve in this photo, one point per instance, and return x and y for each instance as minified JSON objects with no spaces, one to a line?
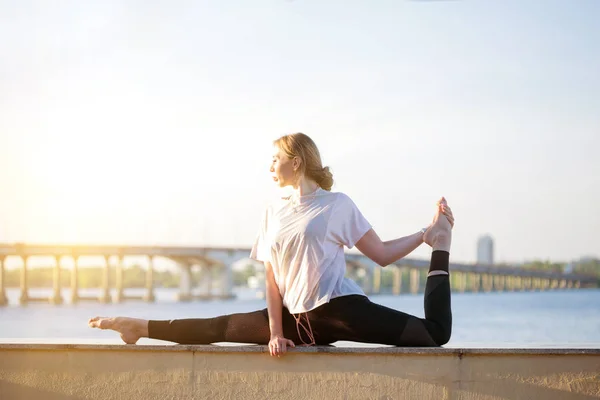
{"x":261,"y":250}
{"x":347,"y":224}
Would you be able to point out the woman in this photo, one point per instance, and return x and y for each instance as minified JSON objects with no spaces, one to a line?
{"x":309,"y":301}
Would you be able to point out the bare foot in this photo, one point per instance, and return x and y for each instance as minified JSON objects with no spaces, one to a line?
{"x":445,"y":209}
{"x":131,"y":329}
{"x":439,"y":234}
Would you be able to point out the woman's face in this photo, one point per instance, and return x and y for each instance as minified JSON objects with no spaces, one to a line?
{"x":282,"y":168}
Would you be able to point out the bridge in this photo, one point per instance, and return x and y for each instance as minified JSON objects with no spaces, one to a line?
{"x":216,"y":265}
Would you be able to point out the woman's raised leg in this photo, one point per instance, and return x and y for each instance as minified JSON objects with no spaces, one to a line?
{"x":356,"y":318}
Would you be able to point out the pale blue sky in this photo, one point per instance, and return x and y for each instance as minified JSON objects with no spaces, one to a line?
{"x":151,"y":122}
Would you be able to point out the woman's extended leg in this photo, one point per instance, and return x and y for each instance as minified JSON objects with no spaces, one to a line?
{"x":250,"y":327}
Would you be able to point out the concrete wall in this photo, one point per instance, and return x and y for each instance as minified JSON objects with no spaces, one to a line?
{"x":52,"y":372}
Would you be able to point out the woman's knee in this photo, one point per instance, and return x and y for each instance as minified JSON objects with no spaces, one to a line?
{"x":441,"y":335}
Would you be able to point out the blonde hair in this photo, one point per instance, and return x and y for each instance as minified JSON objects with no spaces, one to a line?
{"x":301,"y":146}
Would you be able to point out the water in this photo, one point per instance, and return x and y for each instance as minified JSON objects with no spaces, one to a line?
{"x":566,"y":318}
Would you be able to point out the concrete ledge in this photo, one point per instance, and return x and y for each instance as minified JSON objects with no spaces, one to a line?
{"x":76,"y":371}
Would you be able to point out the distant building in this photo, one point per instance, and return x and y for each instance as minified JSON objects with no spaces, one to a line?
{"x":485,"y":250}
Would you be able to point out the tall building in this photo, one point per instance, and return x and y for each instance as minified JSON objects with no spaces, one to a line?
{"x":485,"y":250}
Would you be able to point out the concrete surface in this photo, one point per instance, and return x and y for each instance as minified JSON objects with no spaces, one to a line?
{"x":74,"y":372}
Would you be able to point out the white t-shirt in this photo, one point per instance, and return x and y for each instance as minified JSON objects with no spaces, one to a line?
{"x":304,"y":241}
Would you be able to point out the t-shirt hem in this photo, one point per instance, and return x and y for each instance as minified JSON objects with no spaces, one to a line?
{"x":325,"y":300}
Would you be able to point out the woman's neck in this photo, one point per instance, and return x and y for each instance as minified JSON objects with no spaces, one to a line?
{"x":304,"y":187}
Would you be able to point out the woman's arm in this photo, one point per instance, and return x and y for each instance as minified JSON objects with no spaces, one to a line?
{"x":274,"y":302}
{"x":278,"y":343}
{"x":386,"y":253}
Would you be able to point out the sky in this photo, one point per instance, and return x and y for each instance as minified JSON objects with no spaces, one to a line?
{"x":151,"y":122}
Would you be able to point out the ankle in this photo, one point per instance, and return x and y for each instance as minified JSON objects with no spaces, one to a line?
{"x":142,"y":328}
{"x":441,"y":241}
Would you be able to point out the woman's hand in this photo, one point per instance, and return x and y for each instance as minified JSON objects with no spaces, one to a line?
{"x":278,"y":345}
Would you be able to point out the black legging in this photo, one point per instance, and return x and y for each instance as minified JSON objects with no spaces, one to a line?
{"x":351,"y":318}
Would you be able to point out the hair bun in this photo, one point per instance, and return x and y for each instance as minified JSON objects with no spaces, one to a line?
{"x":326,"y":179}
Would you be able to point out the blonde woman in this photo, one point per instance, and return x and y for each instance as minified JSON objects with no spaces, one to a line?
{"x":301,"y":241}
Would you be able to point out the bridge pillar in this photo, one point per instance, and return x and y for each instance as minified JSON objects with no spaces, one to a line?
{"x":569,"y":284}
{"x":226,"y":282}
{"x":3,"y":298}
{"x":414,"y":280}
{"x":498,"y":283}
{"x":518,"y":282}
{"x":577,"y":284}
{"x":554,"y":284}
{"x":75,"y":280}
{"x":474,"y":281}
{"x":507,"y":283}
{"x":149,"y":296}
{"x":545,"y":283}
{"x":512,"y":283}
{"x":185,"y":282}
{"x":206,"y":283}
{"x":462,"y":282}
{"x":397,"y":282}
{"x":458,"y":281}
{"x":119,"y":295}
{"x":24,"y":298}
{"x":56,"y":295}
{"x":487,"y":282}
{"x":562,"y":284}
{"x":105,"y":296}
{"x":531,"y":284}
{"x":367,"y":282}
{"x":376,"y":279}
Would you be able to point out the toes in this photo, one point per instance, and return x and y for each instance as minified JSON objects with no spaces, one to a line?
{"x":105,"y":323}
{"x":101,"y":322}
